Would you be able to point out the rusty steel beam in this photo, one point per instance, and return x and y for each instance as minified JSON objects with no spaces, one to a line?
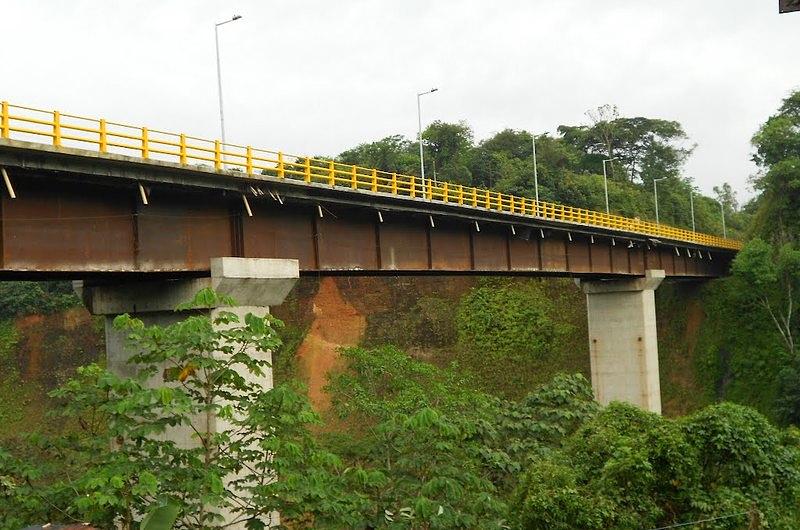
{"x":72,"y":228}
{"x":75,"y":217}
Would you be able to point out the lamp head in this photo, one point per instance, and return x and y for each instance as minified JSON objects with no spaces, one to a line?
{"x":236,"y":17}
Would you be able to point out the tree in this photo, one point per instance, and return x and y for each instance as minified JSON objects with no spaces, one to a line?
{"x":204,"y":369}
{"x":393,"y":154}
{"x":448,"y":145}
{"x":648,"y":148}
{"x":626,"y":468}
{"x":771,"y":277}
{"x":777,"y":146}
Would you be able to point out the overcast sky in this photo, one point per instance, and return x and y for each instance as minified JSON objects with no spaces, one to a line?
{"x":319,"y":76}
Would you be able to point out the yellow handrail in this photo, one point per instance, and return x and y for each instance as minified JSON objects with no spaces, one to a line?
{"x":68,"y":130}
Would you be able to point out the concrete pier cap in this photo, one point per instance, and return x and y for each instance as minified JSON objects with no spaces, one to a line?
{"x":623,"y":342}
{"x":253,"y":282}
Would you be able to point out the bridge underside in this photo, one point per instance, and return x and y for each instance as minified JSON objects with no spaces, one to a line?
{"x":73,"y":222}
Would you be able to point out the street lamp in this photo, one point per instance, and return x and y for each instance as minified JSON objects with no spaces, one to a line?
{"x":691,"y":206}
{"x":605,"y":182}
{"x":722,"y":211}
{"x":421,"y":155}
{"x":535,"y":171}
{"x":219,"y":73}
{"x":655,"y":191}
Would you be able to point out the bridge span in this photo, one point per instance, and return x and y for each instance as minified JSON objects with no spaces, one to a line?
{"x":144,"y":218}
{"x":100,"y":198}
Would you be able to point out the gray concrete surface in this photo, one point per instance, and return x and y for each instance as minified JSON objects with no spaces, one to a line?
{"x":623,"y":346}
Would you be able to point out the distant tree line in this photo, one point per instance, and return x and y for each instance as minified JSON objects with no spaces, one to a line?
{"x":570,"y":166}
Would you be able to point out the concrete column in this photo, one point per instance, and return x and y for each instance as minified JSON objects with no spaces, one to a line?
{"x":623,"y":346}
{"x":254,"y":283}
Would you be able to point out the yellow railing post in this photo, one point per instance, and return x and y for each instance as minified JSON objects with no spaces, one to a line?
{"x":103,"y":137}
{"x":475,"y":197}
{"x":413,"y":186}
{"x":354,"y":178}
{"x":460,"y":194}
{"x":248,"y":161}
{"x":182,"y":149}
{"x":511,"y":203}
{"x":429,"y":193}
{"x":145,"y":144}
{"x":281,"y":168}
{"x":217,"y":155}
{"x":488,"y":204}
{"x":56,"y":129}
{"x":307,"y":170}
{"x":444,"y":192}
{"x":5,"y":127}
{"x":394,"y":183}
{"x":332,"y":173}
{"x":374,"y":180}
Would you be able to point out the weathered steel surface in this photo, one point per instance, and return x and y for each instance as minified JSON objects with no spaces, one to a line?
{"x":74,"y":225}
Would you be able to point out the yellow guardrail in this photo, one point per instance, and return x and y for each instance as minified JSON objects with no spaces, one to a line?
{"x":68,"y":130}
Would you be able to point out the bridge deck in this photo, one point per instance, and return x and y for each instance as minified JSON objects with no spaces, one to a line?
{"x":83,"y":211}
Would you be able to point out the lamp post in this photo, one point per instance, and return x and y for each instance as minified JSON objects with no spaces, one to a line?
{"x":691,"y":206}
{"x":722,"y":211}
{"x":535,"y":171}
{"x":655,"y":191}
{"x":419,"y":119}
{"x":605,"y":184}
{"x":219,"y":74}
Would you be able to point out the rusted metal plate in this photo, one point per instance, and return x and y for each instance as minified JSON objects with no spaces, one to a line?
{"x":554,"y":253}
{"x":524,"y":251}
{"x":179,"y":231}
{"x":680,"y":263}
{"x":403,"y":243}
{"x":347,"y":240}
{"x":55,"y":227}
{"x":667,"y":259}
{"x":636,"y":260}
{"x":65,"y":225}
{"x":600,"y":254}
{"x":579,"y":254}
{"x":451,"y":249}
{"x":280,"y":231}
{"x":620,"y":263}
{"x":490,"y":249}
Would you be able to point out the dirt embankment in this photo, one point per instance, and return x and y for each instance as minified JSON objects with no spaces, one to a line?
{"x":336,"y":323}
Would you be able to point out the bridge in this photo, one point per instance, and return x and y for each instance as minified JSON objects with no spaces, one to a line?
{"x":90,"y":197}
{"x":143,"y":218}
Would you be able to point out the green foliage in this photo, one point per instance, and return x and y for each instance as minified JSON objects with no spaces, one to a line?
{"x":505,"y":329}
{"x":777,"y":146}
{"x":625,"y":468}
{"x":508,"y":321}
{"x":190,"y":375}
{"x":25,"y":298}
{"x":450,"y":453}
{"x":646,"y":148}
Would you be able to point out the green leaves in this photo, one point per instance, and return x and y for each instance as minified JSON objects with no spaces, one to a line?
{"x":161,"y":517}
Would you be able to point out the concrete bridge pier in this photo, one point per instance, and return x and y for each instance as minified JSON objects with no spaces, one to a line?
{"x":623,"y":346}
{"x":254,"y":283}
